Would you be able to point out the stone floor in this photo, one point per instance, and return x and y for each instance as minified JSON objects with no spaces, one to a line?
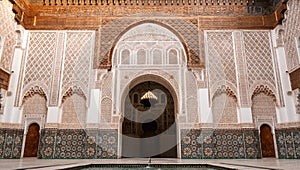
{"x":244,"y":164}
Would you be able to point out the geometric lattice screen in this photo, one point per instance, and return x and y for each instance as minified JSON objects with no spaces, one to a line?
{"x":257,"y":49}
{"x":254,"y":55}
{"x":7,"y":34}
{"x":47,"y":50}
{"x":220,"y":54}
{"x":40,"y":58}
{"x":77,"y":59}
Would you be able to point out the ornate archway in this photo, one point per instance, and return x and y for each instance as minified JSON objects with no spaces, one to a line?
{"x":149,"y":130}
{"x":149,"y":52}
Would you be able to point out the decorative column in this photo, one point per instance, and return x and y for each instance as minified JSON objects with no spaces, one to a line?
{"x":53,"y":115}
{"x":245,"y":114}
{"x":13,"y":114}
{"x":205,"y":110}
{"x":94,"y":108}
{"x":287,"y":112}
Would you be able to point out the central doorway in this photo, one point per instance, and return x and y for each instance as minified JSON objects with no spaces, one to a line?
{"x":149,"y":129}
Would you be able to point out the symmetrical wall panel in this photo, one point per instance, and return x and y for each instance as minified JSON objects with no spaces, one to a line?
{"x":259,"y":59}
{"x":45,"y":53}
{"x":78,"y":56}
{"x":7,"y":34}
{"x":248,"y":51}
{"x":221,"y":61}
{"x":40,"y":59}
{"x":221,"y":57}
{"x":188,"y":31}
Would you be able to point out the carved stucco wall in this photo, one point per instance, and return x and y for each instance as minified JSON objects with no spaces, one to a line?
{"x":46,"y":51}
{"x":41,"y":52}
{"x":157,"y":45}
{"x":248,"y":51}
{"x":291,"y":32}
{"x":77,"y":60}
{"x":221,"y":49}
{"x":57,"y":66}
{"x":259,"y":59}
{"x":7,"y":33}
{"x":221,"y":55}
{"x":187,"y":30}
{"x":221,"y":61}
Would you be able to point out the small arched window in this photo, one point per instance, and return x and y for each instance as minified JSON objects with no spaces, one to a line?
{"x":298,"y":48}
{"x":125,"y":57}
{"x":157,"y":56}
{"x":173,"y":56}
{"x":141,"y":57}
{"x":1,"y":46}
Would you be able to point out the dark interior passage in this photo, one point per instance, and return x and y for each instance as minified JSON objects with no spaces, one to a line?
{"x":149,"y":130}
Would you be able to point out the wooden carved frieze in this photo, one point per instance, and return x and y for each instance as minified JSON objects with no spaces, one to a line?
{"x":87,"y":14}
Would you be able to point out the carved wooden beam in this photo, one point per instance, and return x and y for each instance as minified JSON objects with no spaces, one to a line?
{"x":21,"y":9}
{"x":87,"y":14}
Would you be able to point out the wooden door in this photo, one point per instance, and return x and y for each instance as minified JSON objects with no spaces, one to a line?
{"x":32,"y":141}
{"x":267,"y":142}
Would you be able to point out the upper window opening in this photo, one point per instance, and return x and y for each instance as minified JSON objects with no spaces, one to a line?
{"x":1,"y":46}
{"x":141,"y":57}
{"x":150,"y":45}
{"x":173,"y":57}
{"x":298,"y":48}
{"x":125,"y":57}
{"x":157,"y":57}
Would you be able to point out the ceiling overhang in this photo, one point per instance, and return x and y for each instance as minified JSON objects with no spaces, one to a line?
{"x":87,"y":14}
{"x":4,"y":79}
{"x":294,"y":77}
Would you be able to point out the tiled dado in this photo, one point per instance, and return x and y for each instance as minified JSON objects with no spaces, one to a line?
{"x":218,"y":144}
{"x":288,"y":142}
{"x":11,"y":143}
{"x":78,"y":143}
{"x":195,"y":143}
